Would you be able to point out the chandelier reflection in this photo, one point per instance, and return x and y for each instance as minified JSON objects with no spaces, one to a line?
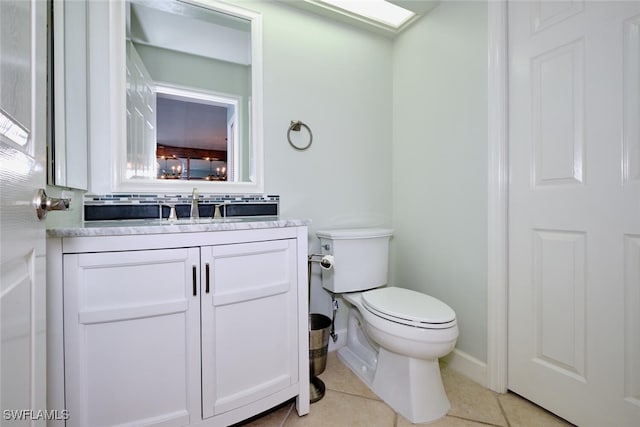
{"x":171,"y":172}
{"x":220,"y":172}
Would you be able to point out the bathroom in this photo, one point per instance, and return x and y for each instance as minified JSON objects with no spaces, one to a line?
{"x":350,"y":86}
{"x":400,"y":139}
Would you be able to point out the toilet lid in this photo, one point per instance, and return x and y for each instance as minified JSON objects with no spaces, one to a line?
{"x":409,"y":307}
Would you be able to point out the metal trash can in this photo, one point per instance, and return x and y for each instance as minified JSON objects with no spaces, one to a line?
{"x":319,"y":326}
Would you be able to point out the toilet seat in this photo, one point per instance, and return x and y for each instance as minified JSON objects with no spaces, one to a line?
{"x":409,"y":308}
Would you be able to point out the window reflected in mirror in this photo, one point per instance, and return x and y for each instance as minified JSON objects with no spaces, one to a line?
{"x":188,"y":93}
{"x":198,"y":130}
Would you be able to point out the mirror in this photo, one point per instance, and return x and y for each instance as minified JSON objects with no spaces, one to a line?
{"x":193,"y":98}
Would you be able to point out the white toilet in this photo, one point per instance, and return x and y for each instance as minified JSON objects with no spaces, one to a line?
{"x":395,"y":336}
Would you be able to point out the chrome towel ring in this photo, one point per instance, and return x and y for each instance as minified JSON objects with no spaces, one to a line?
{"x":295,"y":126}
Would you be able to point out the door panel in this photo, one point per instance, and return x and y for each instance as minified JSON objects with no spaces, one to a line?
{"x":558,"y":115}
{"x":632,"y":320}
{"x":574,"y":209}
{"x":141,"y":117}
{"x":631,"y":189}
{"x":22,"y":236}
{"x":559,"y":273}
{"x":631,"y":94}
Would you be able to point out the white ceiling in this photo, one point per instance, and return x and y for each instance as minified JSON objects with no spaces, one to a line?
{"x":190,"y":29}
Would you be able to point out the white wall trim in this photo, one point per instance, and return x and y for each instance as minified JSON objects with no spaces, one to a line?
{"x":467,"y":365}
{"x":498,"y":187}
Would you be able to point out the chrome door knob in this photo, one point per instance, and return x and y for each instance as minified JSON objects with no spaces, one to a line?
{"x":44,"y":204}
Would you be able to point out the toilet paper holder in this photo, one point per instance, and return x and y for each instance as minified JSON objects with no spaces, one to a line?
{"x":326,"y":261}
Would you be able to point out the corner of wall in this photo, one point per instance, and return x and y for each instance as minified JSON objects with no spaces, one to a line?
{"x":467,"y":365}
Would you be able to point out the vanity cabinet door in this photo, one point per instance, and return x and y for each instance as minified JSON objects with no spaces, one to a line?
{"x":131,"y":336}
{"x":249,"y":323}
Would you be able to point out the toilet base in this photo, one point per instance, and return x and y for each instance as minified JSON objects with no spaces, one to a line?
{"x":362,"y":369}
{"x":412,"y":387}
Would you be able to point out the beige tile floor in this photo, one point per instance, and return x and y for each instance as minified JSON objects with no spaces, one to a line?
{"x":349,"y":403}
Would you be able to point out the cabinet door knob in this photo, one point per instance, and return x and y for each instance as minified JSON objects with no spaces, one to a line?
{"x":195,"y":281}
{"x":206,"y":268}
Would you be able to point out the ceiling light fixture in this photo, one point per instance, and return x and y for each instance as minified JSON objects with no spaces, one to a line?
{"x":374,"y":11}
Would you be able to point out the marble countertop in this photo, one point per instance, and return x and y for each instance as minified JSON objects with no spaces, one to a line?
{"x":164,"y":226}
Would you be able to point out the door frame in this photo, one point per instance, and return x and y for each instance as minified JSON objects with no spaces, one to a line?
{"x":498,"y":193}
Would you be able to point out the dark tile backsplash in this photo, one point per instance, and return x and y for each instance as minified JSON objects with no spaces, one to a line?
{"x":109,"y":212}
{"x":146,"y":206}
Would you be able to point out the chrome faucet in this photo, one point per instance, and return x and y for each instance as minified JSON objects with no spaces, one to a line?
{"x":195,"y":213}
{"x":172,"y":212}
{"x":216,"y":210}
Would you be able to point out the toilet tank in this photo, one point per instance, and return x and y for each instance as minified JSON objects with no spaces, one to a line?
{"x":361,"y":258}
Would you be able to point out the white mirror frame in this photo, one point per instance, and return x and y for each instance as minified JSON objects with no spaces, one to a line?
{"x":67,"y":149}
{"x":119,"y":181}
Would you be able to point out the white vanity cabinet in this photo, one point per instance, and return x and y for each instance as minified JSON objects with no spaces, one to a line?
{"x":203,"y":328}
{"x":249,"y":311}
{"x":131,"y":337}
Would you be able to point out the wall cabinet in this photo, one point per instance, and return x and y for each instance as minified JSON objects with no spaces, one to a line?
{"x":159,"y":332}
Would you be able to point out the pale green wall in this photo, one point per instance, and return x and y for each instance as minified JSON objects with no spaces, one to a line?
{"x":70,"y":218}
{"x":439,"y":195}
{"x":337,"y":79}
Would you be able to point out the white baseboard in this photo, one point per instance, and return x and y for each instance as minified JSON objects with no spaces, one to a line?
{"x":467,"y":365}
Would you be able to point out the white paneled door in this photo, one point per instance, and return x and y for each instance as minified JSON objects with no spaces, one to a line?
{"x":22,"y":235}
{"x":574,"y":209}
{"x":141,"y":117}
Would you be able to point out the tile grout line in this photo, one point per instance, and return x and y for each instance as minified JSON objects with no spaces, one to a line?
{"x":286,"y":417}
{"x":395,"y":424}
{"x":474,"y":420}
{"x":395,"y":414}
{"x":504,"y":414}
{"x":358,"y":395}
